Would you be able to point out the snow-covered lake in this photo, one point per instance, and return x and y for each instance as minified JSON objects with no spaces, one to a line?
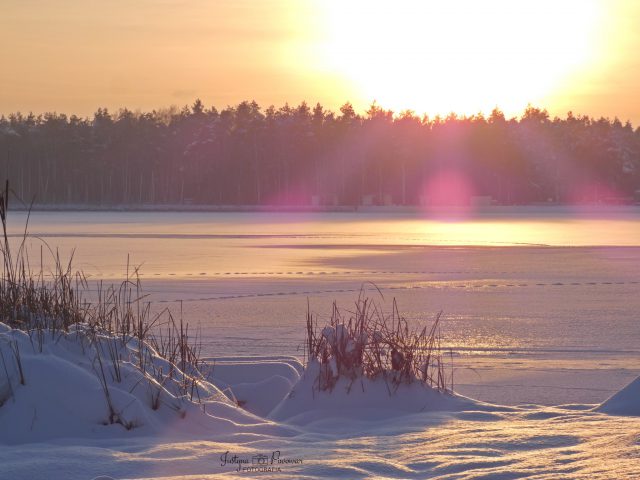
{"x":539,"y":305}
{"x":540,"y":314}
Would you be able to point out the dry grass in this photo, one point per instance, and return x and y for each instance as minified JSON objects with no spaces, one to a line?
{"x":367,"y":343}
{"x":49,"y":305}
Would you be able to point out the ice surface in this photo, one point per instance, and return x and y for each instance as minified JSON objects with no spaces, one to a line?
{"x":549,"y":329}
{"x":547,"y":323}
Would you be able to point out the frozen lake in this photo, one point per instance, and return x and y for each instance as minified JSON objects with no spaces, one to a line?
{"x":539,"y":306}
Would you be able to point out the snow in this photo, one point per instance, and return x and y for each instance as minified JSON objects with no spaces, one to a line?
{"x":363,"y":399}
{"x":624,"y":402}
{"x":63,"y":395}
{"x":257,"y":383}
{"x":357,"y":431}
{"x":329,"y":333}
{"x":414,"y":433}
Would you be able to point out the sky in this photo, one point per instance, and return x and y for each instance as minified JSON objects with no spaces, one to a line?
{"x":433,"y":57}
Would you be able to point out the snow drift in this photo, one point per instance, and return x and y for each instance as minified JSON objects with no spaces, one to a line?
{"x":625,"y":402}
{"x":67,"y":385}
{"x":257,"y":383}
{"x":363,"y":399}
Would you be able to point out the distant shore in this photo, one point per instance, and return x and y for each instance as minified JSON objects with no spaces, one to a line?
{"x":490,"y":210}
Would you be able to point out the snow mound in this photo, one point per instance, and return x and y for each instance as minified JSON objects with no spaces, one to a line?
{"x":364,"y":399}
{"x":256,"y":359}
{"x":260,"y":398}
{"x":257,"y":384}
{"x":625,"y":402}
{"x":252,"y":371}
{"x":55,"y":385}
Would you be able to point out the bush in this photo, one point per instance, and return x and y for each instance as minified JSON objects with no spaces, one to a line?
{"x":366,"y":343}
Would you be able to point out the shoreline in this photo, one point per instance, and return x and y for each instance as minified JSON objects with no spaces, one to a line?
{"x":462,"y":211}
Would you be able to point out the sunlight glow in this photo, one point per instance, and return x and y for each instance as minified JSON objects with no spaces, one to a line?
{"x":464,"y":56}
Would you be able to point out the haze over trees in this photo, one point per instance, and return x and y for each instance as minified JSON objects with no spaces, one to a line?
{"x":304,"y":155}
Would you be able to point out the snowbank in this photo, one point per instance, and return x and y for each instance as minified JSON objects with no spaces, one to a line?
{"x":625,"y":402}
{"x":256,"y":383}
{"x":363,"y":399}
{"x":66,"y":385}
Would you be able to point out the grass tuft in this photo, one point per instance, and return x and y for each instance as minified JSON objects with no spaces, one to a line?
{"x":367,"y":343}
{"x":117,"y":326}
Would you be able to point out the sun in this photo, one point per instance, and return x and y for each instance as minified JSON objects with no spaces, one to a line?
{"x":463,"y":56}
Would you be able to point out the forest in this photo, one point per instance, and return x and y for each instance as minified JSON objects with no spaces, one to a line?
{"x":303,"y":155}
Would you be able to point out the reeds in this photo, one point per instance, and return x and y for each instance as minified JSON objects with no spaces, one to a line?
{"x":116,"y":326}
{"x":366,"y":343}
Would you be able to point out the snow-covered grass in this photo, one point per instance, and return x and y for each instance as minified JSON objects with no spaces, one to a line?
{"x":368,"y":344}
{"x":69,"y":367}
{"x":81,"y":384}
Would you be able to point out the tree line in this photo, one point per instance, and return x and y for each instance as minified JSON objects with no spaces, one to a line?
{"x":302,"y":155}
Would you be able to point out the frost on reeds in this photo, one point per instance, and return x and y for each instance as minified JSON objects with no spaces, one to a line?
{"x":116,"y":330}
{"x":366,"y":343}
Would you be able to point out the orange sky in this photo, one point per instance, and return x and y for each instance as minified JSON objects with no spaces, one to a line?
{"x":466,"y":56}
